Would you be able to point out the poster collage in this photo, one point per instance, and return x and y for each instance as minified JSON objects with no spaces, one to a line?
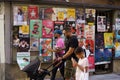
{"x":33,"y":28}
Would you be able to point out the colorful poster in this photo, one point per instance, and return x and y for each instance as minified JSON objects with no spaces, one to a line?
{"x":24,"y":45}
{"x":34,"y":44}
{"x":70,"y":14}
{"x":60,"y":14}
{"x":20,"y":15}
{"x":108,"y":40}
{"x":35,"y":28}
{"x":99,"y":40}
{"x":90,"y":31}
{"x":47,"y":29}
{"x":117,"y":49}
{"x":99,"y":55}
{"x":33,"y":12}
{"x":44,"y":44}
{"x":80,"y":16}
{"x":117,"y":34}
{"x":23,"y":59}
{"x":16,"y":39}
{"x":101,"y":23}
{"x":24,"y":31}
{"x":90,"y":15}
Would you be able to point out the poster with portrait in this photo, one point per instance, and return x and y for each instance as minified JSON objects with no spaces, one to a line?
{"x":108,"y":40}
{"x":60,"y":14}
{"x":90,"y":15}
{"x":23,"y":59}
{"x":33,"y":12}
{"x":36,"y":28}
{"x":99,"y":40}
{"x":90,"y":31}
{"x":70,"y":14}
{"x":15,"y":39}
{"x":47,"y":28}
{"x":117,"y":49}
{"x":44,"y":44}
{"x":101,"y":23}
{"x":80,"y":16}
{"x":24,"y":31}
{"x":24,"y":45}
{"x":20,"y":14}
{"x":34,"y":44}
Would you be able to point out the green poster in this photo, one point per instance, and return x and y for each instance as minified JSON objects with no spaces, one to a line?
{"x":35,"y":28}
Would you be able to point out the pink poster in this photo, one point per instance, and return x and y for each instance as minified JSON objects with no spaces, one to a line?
{"x":33,"y":12}
{"x":91,"y":63}
{"x":47,"y":28}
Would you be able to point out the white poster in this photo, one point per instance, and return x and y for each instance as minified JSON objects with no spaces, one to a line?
{"x":101,"y":23}
{"x":23,"y":59}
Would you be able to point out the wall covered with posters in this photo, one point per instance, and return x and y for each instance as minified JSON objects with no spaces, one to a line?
{"x":33,"y":28}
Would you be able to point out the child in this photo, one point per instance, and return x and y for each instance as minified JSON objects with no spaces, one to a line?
{"x":82,"y":65}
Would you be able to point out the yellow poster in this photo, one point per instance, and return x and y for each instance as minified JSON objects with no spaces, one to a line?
{"x":108,"y":40}
{"x":60,"y":16}
{"x":71,"y":14}
{"x":24,"y":29}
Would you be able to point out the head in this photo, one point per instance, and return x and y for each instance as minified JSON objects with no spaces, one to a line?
{"x":57,"y":33}
{"x":67,"y":31}
{"x":36,"y":26}
{"x":79,"y":52}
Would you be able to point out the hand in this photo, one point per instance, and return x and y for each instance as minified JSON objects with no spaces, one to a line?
{"x":59,"y":59}
{"x":74,"y":63}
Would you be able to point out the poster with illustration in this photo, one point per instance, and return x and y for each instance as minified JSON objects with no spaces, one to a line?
{"x":47,"y":28}
{"x":20,"y":14}
{"x":90,"y":15}
{"x":33,"y":12}
{"x":24,"y":45}
{"x":35,"y":28}
{"x":23,"y":59}
{"x":60,"y":14}
{"x":99,"y":40}
{"x":80,"y":30}
{"x":44,"y":44}
{"x":117,"y":49}
{"x":80,"y":16}
{"x":101,"y":23}
{"x":72,"y":25}
{"x":108,"y":40}
{"x":16,"y":39}
{"x":34,"y":44}
{"x":24,"y":31}
{"x":99,"y":55}
{"x":90,"y":31}
{"x":107,"y":54}
{"x":70,"y":14}
{"x":117,"y":23}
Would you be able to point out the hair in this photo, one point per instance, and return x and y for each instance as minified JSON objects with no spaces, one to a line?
{"x":67,"y":28}
{"x":36,"y":24}
{"x":78,"y":50}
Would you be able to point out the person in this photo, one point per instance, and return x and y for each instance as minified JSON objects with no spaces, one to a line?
{"x":59,"y":52}
{"x":35,"y":29}
{"x":82,"y":72}
{"x":70,"y":44}
{"x":16,"y":41}
{"x":23,"y":46}
{"x":20,"y":17}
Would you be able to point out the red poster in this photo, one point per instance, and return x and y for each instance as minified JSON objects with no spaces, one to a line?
{"x":33,"y":12}
{"x":91,"y":63}
{"x":47,"y":28}
{"x":90,"y":45}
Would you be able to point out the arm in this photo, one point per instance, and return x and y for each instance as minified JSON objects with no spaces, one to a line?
{"x":82,"y":68}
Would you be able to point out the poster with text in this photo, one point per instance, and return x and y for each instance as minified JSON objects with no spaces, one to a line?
{"x":90,"y":31}
{"x":44,"y":44}
{"x":33,"y":12}
{"x":20,"y":14}
{"x":24,"y":31}
{"x":34,"y":44}
{"x":101,"y":23}
{"x":99,"y":40}
{"x":47,"y":28}
{"x":23,"y":59}
{"x":60,"y":14}
{"x":108,"y":40}
{"x":24,"y":45}
{"x":117,"y":49}
{"x":90,"y":15}
{"x":80,"y":16}
{"x":35,"y":28}
{"x":70,"y":14}
{"x":16,"y":39}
